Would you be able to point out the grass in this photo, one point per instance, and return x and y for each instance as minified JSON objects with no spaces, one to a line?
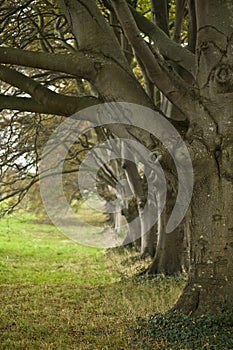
{"x":56,"y":294}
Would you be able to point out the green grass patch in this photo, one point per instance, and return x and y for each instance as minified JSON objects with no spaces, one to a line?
{"x":56,"y":294}
{"x":39,"y":253}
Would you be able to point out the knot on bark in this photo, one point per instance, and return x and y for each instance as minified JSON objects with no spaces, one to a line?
{"x":98,"y":66}
{"x":204,"y":45}
{"x":223,"y":74}
{"x":226,"y":162}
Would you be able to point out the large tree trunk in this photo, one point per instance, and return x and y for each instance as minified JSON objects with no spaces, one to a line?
{"x":169,"y":254}
{"x":210,"y":285}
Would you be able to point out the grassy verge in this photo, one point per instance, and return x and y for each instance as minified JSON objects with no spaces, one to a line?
{"x":56,"y":294}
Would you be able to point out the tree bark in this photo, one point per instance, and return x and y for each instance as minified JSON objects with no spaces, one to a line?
{"x":210,"y":285}
{"x":131,"y":239}
{"x":149,"y":243}
{"x":169,"y":256}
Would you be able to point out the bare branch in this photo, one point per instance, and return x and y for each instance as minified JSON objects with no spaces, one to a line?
{"x":40,"y":93}
{"x":91,"y":29}
{"x":64,"y":105}
{"x":166,"y":80}
{"x":168,"y":48}
{"x":180,"y":6}
{"x":159,"y":9}
{"x":192,"y":30}
{"x":80,"y":64}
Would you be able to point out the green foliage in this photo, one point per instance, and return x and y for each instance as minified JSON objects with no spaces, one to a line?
{"x":178,"y":331}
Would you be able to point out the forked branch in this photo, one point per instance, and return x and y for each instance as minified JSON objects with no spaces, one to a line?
{"x":162,"y":75}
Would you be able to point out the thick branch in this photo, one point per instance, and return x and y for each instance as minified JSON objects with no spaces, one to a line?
{"x":66,"y":107}
{"x":159,"y":9}
{"x":192,"y":30}
{"x":80,"y":64}
{"x":40,"y":93}
{"x":168,"y":48}
{"x":91,"y":29}
{"x":180,"y":6}
{"x":169,"y":83}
